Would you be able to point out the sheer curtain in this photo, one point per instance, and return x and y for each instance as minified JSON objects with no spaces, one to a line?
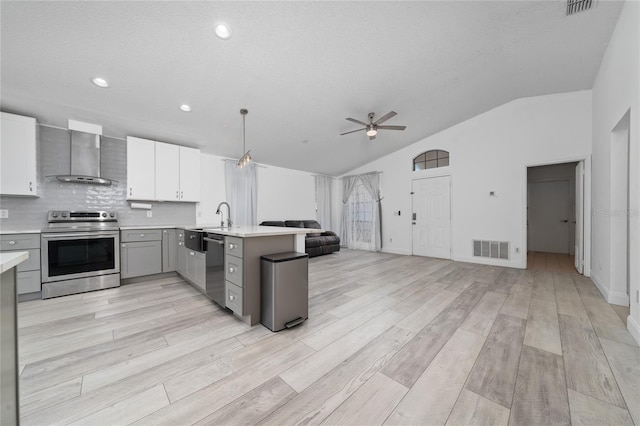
{"x":361,"y":225}
{"x":241,"y":186}
{"x":371,"y":182}
{"x":323,"y":201}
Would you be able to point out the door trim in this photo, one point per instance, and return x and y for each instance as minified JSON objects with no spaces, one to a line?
{"x":586,"y":208}
{"x":435,"y":175}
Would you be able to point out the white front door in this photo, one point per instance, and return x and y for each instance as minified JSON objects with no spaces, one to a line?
{"x":431,"y":218}
{"x":549,"y":216}
{"x":579,"y":250}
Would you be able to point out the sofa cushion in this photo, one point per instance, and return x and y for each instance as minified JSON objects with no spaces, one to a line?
{"x":294,"y":223}
{"x":272,"y":223}
{"x":311,"y":224}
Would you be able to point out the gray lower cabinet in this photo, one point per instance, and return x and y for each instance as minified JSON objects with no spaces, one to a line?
{"x":169,"y":250}
{"x":197,"y":268}
{"x":140,"y":258}
{"x":191,"y":264}
{"x":181,"y":252}
{"x":242,"y":272}
{"x":28,"y":278}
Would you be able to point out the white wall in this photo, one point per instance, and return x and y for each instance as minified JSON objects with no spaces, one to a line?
{"x":489,"y":152}
{"x":282,"y":193}
{"x":615,"y":91}
{"x":285,"y":194}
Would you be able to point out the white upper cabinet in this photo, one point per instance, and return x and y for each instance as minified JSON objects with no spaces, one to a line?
{"x":189,"y":174}
{"x":18,"y":160}
{"x":162,"y":171}
{"x":141,"y":169}
{"x":167,"y":172}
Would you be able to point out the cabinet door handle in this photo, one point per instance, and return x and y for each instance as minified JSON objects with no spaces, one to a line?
{"x":141,"y":235}
{"x":181,"y":195}
{"x":231,"y":270}
{"x":192,"y":253}
{"x":31,"y":186}
{"x":180,"y":243}
{"x":232,"y":297}
{"x":123,"y":245}
{"x":130,"y":191}
{"x":12,"y":243}
{"x":231,"y":246}
{"x":177,"y":195}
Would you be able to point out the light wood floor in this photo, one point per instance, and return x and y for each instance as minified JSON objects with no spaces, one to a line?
{"x":390,"y":339}
{"x":551,"y":262}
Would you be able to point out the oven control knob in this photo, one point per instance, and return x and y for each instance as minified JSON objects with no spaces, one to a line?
{"x":104,"y":214}
{"x":54,"y":214}
{"x":112,"y":214}
{"x":64,"y":214}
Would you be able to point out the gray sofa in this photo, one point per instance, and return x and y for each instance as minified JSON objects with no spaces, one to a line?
{"x":315,"y":244}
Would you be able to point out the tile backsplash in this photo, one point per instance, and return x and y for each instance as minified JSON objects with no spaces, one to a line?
{"x":54,"y":157}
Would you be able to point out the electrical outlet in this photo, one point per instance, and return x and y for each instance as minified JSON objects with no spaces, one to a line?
{"x":4,"y":214}
{"x":390,"y":240}
{"x":517,"y":250}
{"x":149,"y":213}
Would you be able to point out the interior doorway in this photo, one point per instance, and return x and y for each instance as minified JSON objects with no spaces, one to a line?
{"x":554,"y":217}
{"x":619,"y":213}
{"x":431,"y":217}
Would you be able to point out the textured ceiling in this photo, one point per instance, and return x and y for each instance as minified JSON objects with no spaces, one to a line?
{"x":300,"y":68}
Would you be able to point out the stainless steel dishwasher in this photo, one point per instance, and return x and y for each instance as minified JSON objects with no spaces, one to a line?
{"x":213,"y":245}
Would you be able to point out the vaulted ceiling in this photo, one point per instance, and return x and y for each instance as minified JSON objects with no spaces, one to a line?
{"x":300,"y":68}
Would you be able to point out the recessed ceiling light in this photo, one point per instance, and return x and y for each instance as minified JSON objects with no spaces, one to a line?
{"x":223,"y":30}
{"x":100,"y":82}
{"x":185,"y":108}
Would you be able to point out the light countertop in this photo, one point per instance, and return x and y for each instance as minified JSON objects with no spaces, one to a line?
{"x":261,"y":231}
{"x":10,"y":260}
{"x":137,"y":227}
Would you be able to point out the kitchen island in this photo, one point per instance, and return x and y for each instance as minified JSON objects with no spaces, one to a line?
{"x":243,"y":248}
{"x":9,"y":412}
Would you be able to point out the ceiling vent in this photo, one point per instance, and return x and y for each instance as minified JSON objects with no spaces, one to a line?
{"x":575,"y":6}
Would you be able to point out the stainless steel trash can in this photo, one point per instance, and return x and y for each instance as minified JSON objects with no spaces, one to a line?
{"x":285,"y":290}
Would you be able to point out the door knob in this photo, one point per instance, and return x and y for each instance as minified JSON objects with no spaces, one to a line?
{"x":564,"y":221}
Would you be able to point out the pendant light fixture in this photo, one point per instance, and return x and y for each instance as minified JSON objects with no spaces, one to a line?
{"x":246,"y":158}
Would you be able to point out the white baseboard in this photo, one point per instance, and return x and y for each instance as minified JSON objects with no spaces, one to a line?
{"x":634,"y":328}
{"x":600,"y":286}
{"x":489,"y":261}
{"x":610,"y":296}
{"x":396,"y":251}
{"x":618,"y":299}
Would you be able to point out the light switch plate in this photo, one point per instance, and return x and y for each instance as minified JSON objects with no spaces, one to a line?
{"x":149,"y":213}
{"x":4,"y":214}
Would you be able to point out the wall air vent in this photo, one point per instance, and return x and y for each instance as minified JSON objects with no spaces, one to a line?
{"x":575,"y":6}
{"x":491,"y":249}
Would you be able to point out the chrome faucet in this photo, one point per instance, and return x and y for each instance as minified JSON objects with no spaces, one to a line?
{"x":229,"y":223}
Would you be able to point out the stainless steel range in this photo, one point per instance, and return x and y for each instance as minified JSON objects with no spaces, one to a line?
{"x":80,"y":252}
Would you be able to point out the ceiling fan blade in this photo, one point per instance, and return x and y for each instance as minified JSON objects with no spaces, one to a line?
{"x":353,"y":131}
{"x":392,"y":127}
{"x":357,"y":121}
{"x":385,"y":117}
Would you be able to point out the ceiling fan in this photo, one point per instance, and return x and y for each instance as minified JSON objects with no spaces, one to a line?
{"x":372,"y":127}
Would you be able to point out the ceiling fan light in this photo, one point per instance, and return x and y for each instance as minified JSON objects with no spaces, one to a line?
{"x":371,"y":132}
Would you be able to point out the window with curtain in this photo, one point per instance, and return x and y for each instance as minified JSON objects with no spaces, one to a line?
{"x":361,"y":225}
{"x":241,"y":187}
{"x":323,"y":201}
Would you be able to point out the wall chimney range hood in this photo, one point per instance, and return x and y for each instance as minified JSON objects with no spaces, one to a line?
{"x":85,"y":154}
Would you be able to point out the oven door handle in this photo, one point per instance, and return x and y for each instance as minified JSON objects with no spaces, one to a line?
{"x":80,"y":234}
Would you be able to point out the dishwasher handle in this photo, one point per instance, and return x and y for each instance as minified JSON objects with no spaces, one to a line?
{"x":211,"y":240}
